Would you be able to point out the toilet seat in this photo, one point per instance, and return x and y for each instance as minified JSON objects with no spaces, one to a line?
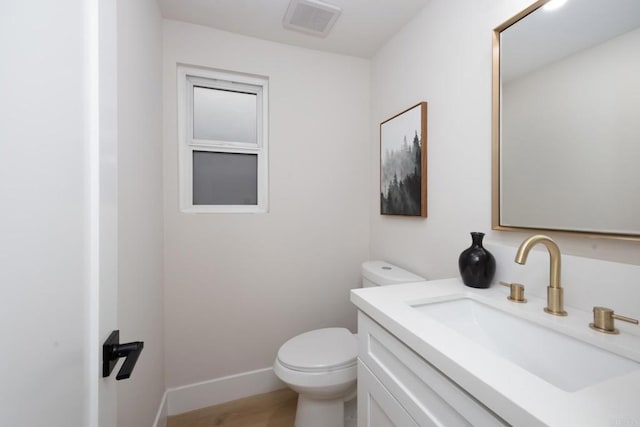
{"x":320,"y":350}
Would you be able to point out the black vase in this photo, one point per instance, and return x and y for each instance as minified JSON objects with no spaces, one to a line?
{"x":477,"y":265}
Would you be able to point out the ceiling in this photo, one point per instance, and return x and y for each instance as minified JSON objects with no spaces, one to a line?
{"x":363,"y":27}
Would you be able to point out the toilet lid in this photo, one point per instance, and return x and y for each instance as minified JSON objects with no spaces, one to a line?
{"x":320,"y":350}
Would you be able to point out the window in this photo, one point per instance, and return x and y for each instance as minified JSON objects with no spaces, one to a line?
{"x":222,"y":137}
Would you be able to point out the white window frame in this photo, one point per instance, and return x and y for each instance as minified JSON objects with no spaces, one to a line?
{"x":188,"y":77}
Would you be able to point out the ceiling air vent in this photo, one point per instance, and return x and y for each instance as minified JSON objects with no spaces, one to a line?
{"x":311,"y":17}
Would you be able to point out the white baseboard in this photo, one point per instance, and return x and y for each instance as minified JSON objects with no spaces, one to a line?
{"x":163,"y":413}
{"x":220,"y":390}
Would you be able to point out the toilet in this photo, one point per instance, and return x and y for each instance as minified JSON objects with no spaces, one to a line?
{"x":321,"y":365}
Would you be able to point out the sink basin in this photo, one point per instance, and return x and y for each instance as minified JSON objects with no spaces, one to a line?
{"x":561,"y":360}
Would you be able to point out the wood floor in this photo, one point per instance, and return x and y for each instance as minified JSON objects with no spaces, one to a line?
{"x":275,"y":409}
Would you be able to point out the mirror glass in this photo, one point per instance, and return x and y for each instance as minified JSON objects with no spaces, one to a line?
{"x":567,"y":118}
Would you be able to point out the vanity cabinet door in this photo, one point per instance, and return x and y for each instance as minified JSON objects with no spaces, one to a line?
{"x":427,"y":395}
{"x":376,"y":406}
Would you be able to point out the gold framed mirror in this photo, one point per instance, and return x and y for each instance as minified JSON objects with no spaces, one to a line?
{"x":566,"y":130}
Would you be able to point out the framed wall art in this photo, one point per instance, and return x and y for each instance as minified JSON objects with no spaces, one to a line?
{"x":403,"y":163}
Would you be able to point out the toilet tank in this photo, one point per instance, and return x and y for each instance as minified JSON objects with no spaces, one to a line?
{"x":381,"y":273}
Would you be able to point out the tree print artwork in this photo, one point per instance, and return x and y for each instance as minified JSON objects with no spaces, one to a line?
{"x":403,"y":163}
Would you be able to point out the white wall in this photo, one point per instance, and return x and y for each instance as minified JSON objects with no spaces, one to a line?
{"x":444,"y":57}
{"x":140,"y":261}
{"x":238,"y":286}
{"x":45,"y":235}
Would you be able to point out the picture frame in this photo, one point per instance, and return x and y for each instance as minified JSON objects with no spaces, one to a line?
{"x":403,"y":163}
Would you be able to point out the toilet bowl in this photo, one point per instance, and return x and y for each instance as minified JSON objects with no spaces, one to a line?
{"x":321,"y":365}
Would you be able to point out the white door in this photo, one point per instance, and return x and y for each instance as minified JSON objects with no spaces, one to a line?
{"x":57,"y":212}
{"x":105,"y":203}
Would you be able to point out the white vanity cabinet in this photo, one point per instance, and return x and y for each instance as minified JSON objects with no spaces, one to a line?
{"x":397,"y":387}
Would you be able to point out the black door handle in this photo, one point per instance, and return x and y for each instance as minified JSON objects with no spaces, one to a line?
{"x":112,"y":350}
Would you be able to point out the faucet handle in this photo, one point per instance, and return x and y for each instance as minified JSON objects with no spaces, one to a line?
{"x":517,"y":291}
{"x":603,"y":320}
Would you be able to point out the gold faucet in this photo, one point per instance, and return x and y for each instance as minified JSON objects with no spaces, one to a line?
{"x":555,"y":300}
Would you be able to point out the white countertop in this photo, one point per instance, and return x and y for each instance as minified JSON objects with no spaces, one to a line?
{"x":518,"y":396}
